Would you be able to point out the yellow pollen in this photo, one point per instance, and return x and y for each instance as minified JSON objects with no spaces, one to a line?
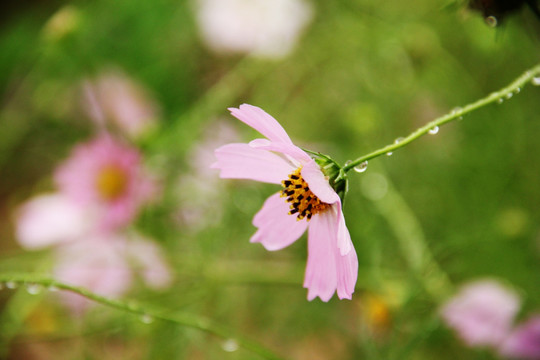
{"x":303,"y":201}
{"x":111,"y":182}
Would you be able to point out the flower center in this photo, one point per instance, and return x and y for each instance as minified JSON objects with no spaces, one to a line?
{"x":111,"y":182}
{"x":303,"y":200}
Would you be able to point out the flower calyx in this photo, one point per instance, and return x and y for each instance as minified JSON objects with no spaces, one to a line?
{"x":337,"y":177}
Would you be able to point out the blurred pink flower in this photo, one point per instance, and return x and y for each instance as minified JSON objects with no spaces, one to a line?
{"x":113,"y":97}
{"x":51,"y":219}
{"x":259,"y":27}
{"x":94,"y":263}
{"x":107,"y":176}
{"x":105,"y":264}
{"x":482,"y":313}
{"x":310,"y":204}
{"x":524,"y":341}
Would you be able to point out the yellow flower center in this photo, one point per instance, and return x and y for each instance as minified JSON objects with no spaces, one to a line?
{"x":111,"y":182}
{"x":303,"y":201}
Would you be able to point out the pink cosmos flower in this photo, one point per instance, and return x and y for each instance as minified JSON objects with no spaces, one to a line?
{"x":307,"y":202}
{"x":106,"y":175}
{"x":482,"y":313}
{"x":524,"y":341}
{"x":115,"y":99}
{"x":106,"y":264}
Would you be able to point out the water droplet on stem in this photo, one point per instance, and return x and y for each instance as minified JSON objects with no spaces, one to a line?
{"x":230,"y":345}
{"x":33,"y":289}
{"x":360,"y":168}
{"x":536,"y":80}
{"x":147,"y":319}
{"x":389,"y":153}
{"x":491,"y":21}
{"x":11,"y":284}
{"x":433,"y":130}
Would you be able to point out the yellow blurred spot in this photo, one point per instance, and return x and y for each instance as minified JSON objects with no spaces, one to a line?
{"x":42,"y":321}
{"x":376,"y":312}
{"x":111,"y":182}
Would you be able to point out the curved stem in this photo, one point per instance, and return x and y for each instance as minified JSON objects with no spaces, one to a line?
{"x":180,"y":318}
{"x":457,"y":113}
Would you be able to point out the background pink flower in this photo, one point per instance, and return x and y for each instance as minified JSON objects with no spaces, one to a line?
{"x":107,"y":176}
{"x":308,"y":201}
{"x":51,"y":219}
{"x":524,"y":341}
{"x":115,"y":99}
{"x":482,"y":313}
{"x":106,"y":265}
{"x":95,"y":263}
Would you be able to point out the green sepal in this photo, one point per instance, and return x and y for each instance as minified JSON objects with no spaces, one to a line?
{"x":336,"y":176}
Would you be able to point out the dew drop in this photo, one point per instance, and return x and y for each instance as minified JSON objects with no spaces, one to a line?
{"x":500,"y":100}
{"x":147,"y":319}
{"x":398,"y":140}
{"x":536,"y":80}
{"x":360,"y":168}
{"x":457,"y":110}
{"x":33,"y":289}
{"x":52,"y":288}
{"x":230,"y":345}
{"x":389,"y":153}
{"x":509,"y":95}
{"x":491,"y":21}
{"x":433,"y":130}
{"x":11,"y":284}
{"x":517,"y":91}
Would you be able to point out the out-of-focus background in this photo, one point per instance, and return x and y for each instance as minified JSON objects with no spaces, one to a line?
{"x":343,"y":78}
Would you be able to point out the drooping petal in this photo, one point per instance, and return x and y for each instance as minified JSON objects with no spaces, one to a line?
{"x":290,"y":150}
{"x":261,"y":121}
{"x":321,"y":272}
{"x":241,"y":161}
{"x":327,"y":270}
{"x":344,"y":242}
{"x":346,"y":259}
{"x":276,"y":228}
{"x":318,"y":183}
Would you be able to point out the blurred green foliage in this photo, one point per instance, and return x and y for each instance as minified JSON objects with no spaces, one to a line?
{"x":363,"y":74}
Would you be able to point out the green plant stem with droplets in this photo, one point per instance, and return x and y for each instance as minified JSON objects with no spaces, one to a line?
{"x":455,"y":114}
{"x":146,"y":312}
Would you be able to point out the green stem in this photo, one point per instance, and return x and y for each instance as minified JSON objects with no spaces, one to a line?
{"x":184,"y":319}
{"x":457,"y":113}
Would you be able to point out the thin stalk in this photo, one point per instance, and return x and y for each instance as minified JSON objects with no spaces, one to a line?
{"x":457,"y":113}
{"x":180,"y":318}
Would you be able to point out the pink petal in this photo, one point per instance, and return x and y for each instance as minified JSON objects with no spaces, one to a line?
{"x":276,"y":228}
{"x":318,"y":183}
{"x":148,"y":258}
{"x":51,"y":219}
{"x":321,"y":272}
{"x":327,"y":270}
{"x":344,"y":242}
{"x":291,"y":150}
{"x":346,"y":260}
{"x":240,"y":161}
{"x":262,"y":122}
